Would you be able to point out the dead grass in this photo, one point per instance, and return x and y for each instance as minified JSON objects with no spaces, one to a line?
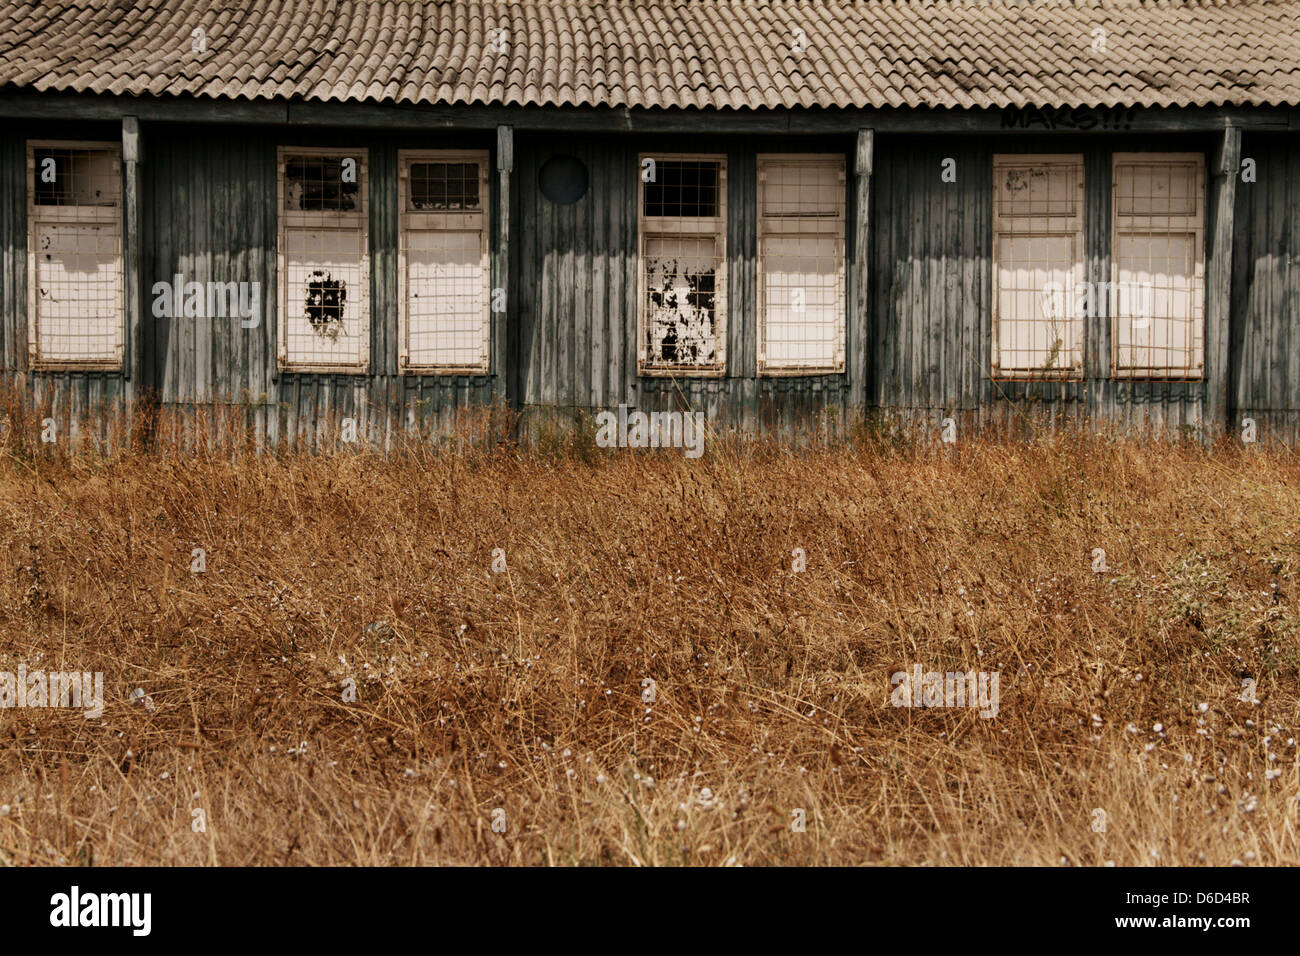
{"x":523,"y":690}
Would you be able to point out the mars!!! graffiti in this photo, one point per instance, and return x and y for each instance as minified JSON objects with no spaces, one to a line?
{"x":1079,"y":118}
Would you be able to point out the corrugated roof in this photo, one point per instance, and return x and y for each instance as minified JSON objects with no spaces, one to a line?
{"x":664,"y":53}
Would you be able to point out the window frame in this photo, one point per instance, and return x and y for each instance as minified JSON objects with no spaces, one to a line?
{"x":670,"y":227}
{"x":323,"y":219}
{"x":443,"y":221}
{"x":767,"y":227}
{"x":1077,"y":233}
{"x":74,"y":215}
{"x":1193,"y":223}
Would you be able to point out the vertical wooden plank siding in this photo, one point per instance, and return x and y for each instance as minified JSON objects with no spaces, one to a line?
{"x":1264,"y":343}
{"x":131,"y":250}
{"x":501,"y":220}
{"x":201,"y":204}
{"x":1218,"y":277}
{"x":858,"y":343}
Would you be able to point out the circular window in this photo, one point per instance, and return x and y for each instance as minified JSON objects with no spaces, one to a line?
{"x":563,"y":179}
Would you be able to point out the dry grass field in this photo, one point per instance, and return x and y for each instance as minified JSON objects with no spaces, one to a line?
{"x":521,"y":697}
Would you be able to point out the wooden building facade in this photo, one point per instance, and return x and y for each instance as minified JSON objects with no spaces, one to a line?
{"x":303,"y":257}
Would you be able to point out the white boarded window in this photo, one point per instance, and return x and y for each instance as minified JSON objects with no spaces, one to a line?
{"x":444,"y":271}
{"x":682,"y":316}
{"x":801,"y":264}
{"x":75,"y":310}
{"x":1037,"y":266}
{"x":1158,"y":265}
{"x":323,"y":260}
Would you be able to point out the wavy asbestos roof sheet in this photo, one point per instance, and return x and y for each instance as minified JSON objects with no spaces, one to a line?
{"x":702,"y":54}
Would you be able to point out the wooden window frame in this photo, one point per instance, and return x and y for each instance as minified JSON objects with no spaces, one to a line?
{"x":37,"y":214}
{"x":1194,"y":224}
{"x":359,"y":219}
{"x":1073,"y":228}
{"x":794,"y":224}
{"x":667,"y":227}
{"x":448,"y":221}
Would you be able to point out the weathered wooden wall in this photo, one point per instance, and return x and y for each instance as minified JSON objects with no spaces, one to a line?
{"x":932,"y":287}
{"x":919,"y":345}
{"x":575,"y":344}
{"x":1265,"y":338}
{"x":91,"y":402}
{"x":208,"y":214}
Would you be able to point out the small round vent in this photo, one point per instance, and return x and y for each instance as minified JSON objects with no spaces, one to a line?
{"x":563,"y":179}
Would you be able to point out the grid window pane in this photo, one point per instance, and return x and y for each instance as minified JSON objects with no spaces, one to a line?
{"x":1156,"y":190}
{"x":76,"y":177}
{"x":325,"y":286}
{"x":802,"y":305}
{"x":78,"y":291}
{"x":1158,"y":328}
{"x":444,"y":186}
{"x":315,"y":184}
{"x":1038,"y":248}
{"x":681,"y":275}
{"x":446,"y":285}
{"x":1036,"y":303}
{"x":802,"y":189}
{"x":683,"y":188}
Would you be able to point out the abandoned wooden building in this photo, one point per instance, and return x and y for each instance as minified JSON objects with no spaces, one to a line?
{"x":773,"y":212}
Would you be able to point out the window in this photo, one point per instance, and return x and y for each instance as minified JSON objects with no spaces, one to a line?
{"x":324,"y":260}
{"x":75,"y":308}
{"x":1158,"y":266}
{"x":801,"y":264}
{"x":1037,"y":266}
{"x":683,"y":264}
{"x":444,"y":269}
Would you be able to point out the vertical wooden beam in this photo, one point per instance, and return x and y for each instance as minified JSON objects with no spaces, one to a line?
{"x":856,"y":360}
{"x":131,"y":361}
{"x":1224,"y":171}
{"x":500,"y":365}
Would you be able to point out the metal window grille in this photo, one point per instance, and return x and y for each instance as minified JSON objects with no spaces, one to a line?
{"x":683,"y":265}
{"x":802,"y":204}
{"x":1037,"y":266}
{"x":1157,"y":294}
{"x":74,"y":240}
{"x":444,"y":261}
{"x":323,"y":259}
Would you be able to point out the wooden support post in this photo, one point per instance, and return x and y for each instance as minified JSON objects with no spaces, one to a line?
{"x":133,"y":359}
{"x":1224,"y":171}
{"x":857,"y":361}
{"x":505,"y":166}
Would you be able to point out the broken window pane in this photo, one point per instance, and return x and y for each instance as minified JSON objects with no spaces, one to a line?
{"x":681,"y":285}
{"x":315,"y":183}
{"x":683,"y":188}
{"x":444,"y":186}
